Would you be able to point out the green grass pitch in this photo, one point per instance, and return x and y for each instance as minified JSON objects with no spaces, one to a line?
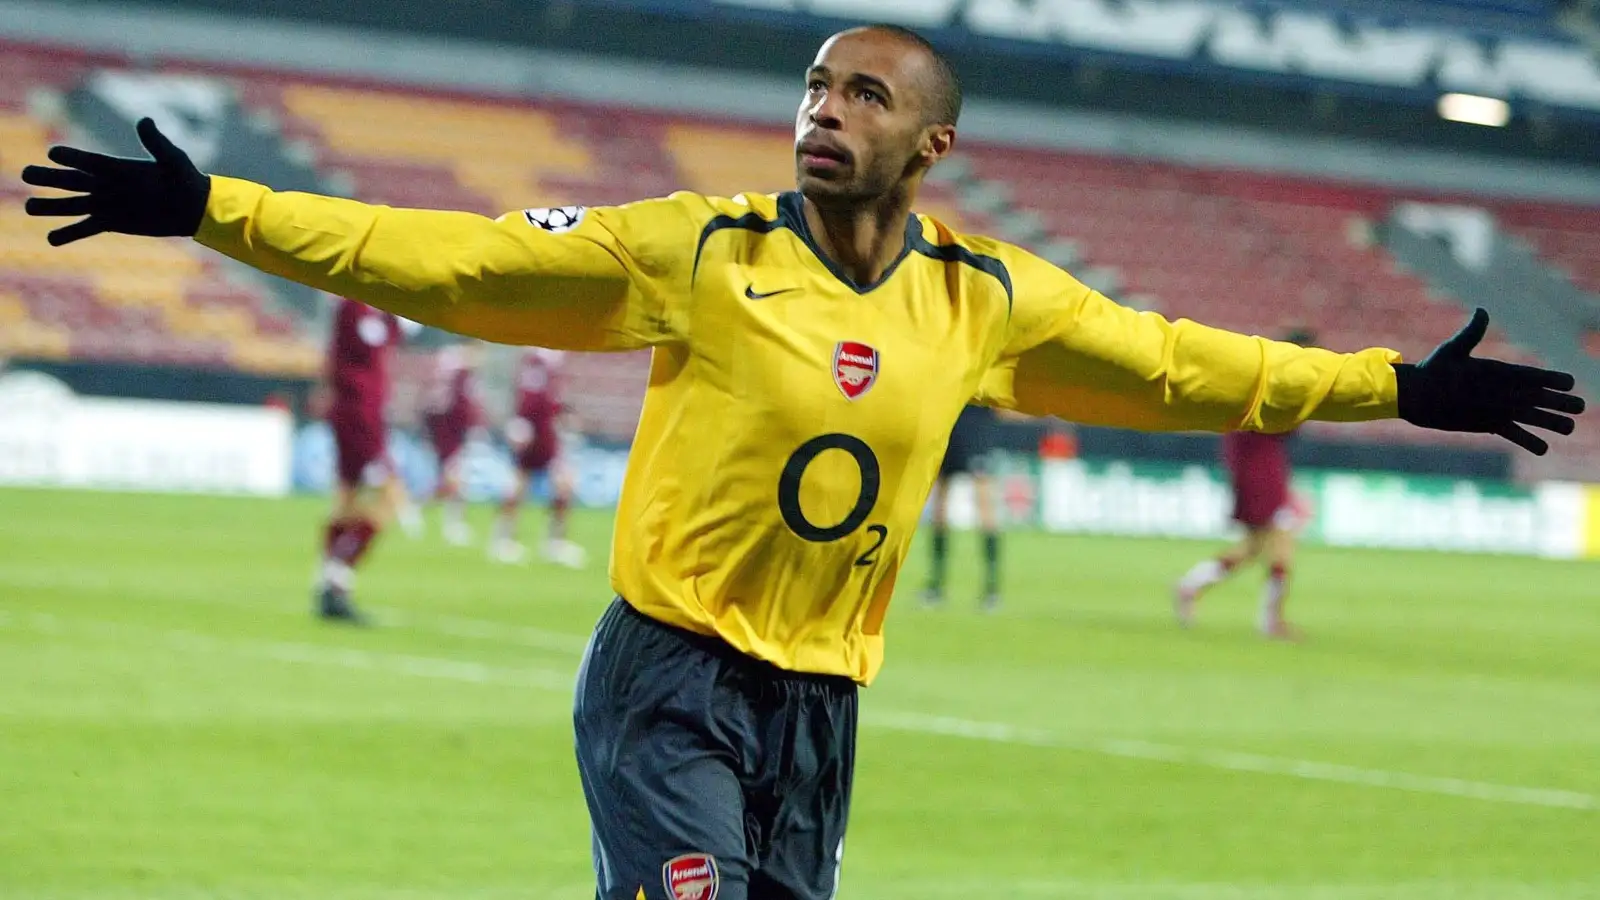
{"x":173,"y":724}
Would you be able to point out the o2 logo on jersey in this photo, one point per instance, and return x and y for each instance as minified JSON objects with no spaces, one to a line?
{"x":556,"y":219}
{"x":855,"y":368}
{"x":692,"y":876}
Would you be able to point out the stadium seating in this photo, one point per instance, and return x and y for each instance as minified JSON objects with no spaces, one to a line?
{"x":116,"y":298}
{"x":1243,"y":251}
{"x":1240,"y":250}
{"x":1567,"y":238}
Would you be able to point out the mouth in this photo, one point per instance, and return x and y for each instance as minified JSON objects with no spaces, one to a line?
{"x":821,"y":155}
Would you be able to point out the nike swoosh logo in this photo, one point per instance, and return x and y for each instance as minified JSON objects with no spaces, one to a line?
{"x":750,"y":293}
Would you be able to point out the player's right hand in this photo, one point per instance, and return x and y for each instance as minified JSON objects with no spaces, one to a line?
{"x":164,"y":196}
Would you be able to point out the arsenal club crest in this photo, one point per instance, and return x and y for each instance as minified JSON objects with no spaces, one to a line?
{"x":692,"y":876}
{"x":855,"y":368}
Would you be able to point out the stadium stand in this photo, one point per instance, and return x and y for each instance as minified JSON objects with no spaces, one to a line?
{"x":1240,"y":250}
{"x":1244,"y":251}
{"x":116,"y":298}
{"x":1567,"y":238}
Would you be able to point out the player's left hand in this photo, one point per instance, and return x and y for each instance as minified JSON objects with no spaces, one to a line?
{"x":1452,"y":390}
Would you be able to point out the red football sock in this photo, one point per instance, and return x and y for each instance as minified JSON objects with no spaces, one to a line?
{"x":509,"y":503}
{"x":1277,"y":590}
{"x":330,"y":538}
{"x":353,"y":544}
{"x":558,"y":516}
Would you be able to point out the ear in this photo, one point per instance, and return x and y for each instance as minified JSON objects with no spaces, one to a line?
{"x":937,"y":143}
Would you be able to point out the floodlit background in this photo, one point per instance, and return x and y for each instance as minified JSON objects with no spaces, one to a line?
{"x":173,"y":724}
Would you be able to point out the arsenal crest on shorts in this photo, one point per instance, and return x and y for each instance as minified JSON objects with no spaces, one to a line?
{"x":692,"y":876}
{"x":855,"y":368}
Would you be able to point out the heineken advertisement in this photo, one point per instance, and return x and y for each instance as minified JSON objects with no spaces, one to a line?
{"x":1441,"y":514}
{"x":1143,"y":499}
{"x":1349,"y":509}
{"x":1134,"y":499}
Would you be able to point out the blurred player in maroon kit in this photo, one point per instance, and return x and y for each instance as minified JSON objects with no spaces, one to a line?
{"x":535,"y":439}
{"x":1272,"y":515}
{"x":369,"y":491}
{"x":451,"y":414}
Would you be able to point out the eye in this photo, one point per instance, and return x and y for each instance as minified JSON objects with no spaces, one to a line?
{"x":815,"y":84}
{"x":871,"y":96}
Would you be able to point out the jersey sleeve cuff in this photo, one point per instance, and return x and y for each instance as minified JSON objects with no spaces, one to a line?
{"x":230,"y":205}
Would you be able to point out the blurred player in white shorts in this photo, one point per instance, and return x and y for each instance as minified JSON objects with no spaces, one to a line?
{"x":452,"y":414}
{"x":540,"y":446}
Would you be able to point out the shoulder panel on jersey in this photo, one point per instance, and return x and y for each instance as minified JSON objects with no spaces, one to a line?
{"x":956,"y":253}
{"x":754,"y":220}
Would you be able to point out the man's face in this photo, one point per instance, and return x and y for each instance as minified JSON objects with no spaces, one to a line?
{"x":860,"y":127}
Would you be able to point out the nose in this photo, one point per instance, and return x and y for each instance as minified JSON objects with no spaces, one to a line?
{"x":825,"y":112}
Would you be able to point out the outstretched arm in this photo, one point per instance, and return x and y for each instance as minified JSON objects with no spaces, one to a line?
{"x":507,"y":280}
{"x":1075,"y":354}
{"x":521,"y":279}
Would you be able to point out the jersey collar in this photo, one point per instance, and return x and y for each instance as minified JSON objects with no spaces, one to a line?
{"x":791,"y":213}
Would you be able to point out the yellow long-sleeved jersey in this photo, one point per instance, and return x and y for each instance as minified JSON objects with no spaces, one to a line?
{"x":794,"y":421}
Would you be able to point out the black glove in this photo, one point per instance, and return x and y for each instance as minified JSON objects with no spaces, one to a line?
{"x":1453,"y":391}
{"x":161,"y":198}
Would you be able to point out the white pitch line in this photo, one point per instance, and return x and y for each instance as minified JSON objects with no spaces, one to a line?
{"x":946,"y":726}
{"x":484,"y":630}
{"x":1310,"y":770}
{"x":435,"y":667}
{"x":1083,"y":889}
{"x":54,"y":580}
{"x":449,"y":626}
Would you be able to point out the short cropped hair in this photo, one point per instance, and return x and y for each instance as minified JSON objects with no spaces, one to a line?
{"x":944,"y":96}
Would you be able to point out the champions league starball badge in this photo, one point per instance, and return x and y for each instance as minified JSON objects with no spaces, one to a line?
{"x":556,"y":219}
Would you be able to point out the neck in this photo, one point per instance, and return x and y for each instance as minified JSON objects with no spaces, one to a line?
{"x":864,"y":240}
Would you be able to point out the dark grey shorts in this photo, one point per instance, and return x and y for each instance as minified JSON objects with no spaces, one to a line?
{"x":709,"y":775}
{"x":971,"y":441}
